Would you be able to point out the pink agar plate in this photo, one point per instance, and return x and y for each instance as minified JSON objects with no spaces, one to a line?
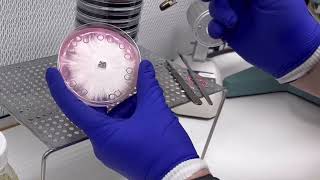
{"x":99,"y":64}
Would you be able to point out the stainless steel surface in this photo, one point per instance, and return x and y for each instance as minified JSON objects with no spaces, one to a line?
{"x":24,"y":94}
{"x":189,"y":92}
{"x":205,"y":111}
{"x":214,"y":124}
{"x":44,"y":163}
{"x":198,"y":18}
{"x":200,"y":52}
{"x":193,"y":76}
{"x":175,"y":95}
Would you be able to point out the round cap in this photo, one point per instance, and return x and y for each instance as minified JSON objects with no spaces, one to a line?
{"x":3,"y":151}
{"x":99,"y":64}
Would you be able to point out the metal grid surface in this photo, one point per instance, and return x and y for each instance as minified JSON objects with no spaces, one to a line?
{"x":24,"y":93}
{"x":174,"y":94}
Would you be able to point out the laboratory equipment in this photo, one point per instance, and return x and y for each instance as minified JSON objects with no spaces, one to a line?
{"x":199,"y":17}
{"x":199,"y":61}
{"x":189,"y":92}
{"x":123,"y":14}
{"x":99,"y":64}
{"x":167,"y":4}
{"x":6,"y":171}
{"x":195,"y":80}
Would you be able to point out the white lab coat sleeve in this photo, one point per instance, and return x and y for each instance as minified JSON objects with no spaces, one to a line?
{"x":303,"y":69}
{"x":186,"y":169}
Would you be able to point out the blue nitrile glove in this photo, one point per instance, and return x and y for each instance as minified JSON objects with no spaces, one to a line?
{"x":277,"y":36}
{"x":142,"y":144}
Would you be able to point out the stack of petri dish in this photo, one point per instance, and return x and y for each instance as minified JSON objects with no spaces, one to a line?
{"x":124,"y":14}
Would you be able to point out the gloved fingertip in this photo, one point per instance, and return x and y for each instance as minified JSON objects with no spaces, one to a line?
{"x":216,"y":30}
{"x":222,"y":12}
{"x":52,"y":75}
{"x":231,"y":20}
{"x":146,"y":64}
{"x":146,"y":69}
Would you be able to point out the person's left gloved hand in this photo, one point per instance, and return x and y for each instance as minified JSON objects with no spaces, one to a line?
{"x":145,"y":143}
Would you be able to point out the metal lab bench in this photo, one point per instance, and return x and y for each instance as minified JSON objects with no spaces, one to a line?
{"x":274,"y":137}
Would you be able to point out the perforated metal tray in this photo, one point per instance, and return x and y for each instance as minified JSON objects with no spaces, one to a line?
{"x":24,"y":94}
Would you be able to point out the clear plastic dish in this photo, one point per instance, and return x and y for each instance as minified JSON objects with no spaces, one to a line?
{"x":115,"y":3}
{"x":108,"y":14}
{"x":111,"y":6}
{"x":99,"y":64}
{"x":86,"y":17}
{"x":123,"y":26}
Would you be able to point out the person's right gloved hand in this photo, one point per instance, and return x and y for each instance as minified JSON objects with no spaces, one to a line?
{"x":277,"y":36}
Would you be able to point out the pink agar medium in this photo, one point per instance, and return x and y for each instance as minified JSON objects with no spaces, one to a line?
{"x":99,"y":64}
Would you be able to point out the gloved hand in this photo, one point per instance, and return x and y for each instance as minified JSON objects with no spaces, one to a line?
{"x":144,"y":143}
{"x":277,"y":36}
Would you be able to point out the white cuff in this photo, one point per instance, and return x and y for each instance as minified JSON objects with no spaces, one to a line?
{"x":186,"y":169}
{"x":302,"y":69}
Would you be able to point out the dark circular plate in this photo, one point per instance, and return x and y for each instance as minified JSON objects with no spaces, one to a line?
{"x":112,"y":6}
{"x":88,"y":18}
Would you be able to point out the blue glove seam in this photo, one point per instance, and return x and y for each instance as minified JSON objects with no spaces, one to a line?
{"x":173,"y":165}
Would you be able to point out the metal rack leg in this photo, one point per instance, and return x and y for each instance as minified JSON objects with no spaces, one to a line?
{"x":44,"y":163}
{"x":204,"y":152}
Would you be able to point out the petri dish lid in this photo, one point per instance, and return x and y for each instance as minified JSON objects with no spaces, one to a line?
{"x":91,"y":4}
{"x":81,"y":15}
{"x":115,"y":3}
{"x":132,"y":31}
{"x":99,"y":64}
{"x":124,"y":26}
{"x":107,"y":15}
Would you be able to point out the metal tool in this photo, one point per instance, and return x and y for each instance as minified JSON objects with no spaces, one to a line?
{"x":167,"y":4}
{"x":194,"y":78}
{"x":199,"y":17}
{"x":189,"y":92}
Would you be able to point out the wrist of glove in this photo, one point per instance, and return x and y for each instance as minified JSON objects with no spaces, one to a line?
{"x":278,"y":37}
{"x":141,"y":138}
{"x":186,"y":169}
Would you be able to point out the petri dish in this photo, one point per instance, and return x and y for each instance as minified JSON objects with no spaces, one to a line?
{"x":81,"y":15}
{"x":123,"y":26}
{"x":99,"y":64}
{"x":115,"y":3}
{"x":110,"y":6}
